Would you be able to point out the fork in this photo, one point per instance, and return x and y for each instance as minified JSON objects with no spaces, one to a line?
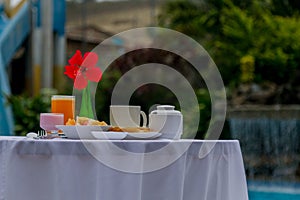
{"x":42,"y":134}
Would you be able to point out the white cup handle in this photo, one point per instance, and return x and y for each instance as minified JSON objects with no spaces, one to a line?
{"x":144,"y":116}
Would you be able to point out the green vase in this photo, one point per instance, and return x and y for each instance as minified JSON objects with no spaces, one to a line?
{"x":86,"y":109}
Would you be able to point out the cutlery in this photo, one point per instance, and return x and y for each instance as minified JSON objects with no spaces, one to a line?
{"x":42,"y":134}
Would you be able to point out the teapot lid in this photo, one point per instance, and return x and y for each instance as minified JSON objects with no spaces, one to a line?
{"x":165,"y":107}
{"x":166,"y":110}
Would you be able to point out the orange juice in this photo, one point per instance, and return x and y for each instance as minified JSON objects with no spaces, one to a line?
{"x":63,"y":104}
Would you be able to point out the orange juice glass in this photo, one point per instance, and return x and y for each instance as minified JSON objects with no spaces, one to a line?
{"x":63,"y":104}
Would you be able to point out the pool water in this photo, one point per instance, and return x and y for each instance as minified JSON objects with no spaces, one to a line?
{"x":273,"y":191}
{"x":255,"y":195}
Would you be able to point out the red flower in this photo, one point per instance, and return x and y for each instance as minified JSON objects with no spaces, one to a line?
{"x":83,"y":69}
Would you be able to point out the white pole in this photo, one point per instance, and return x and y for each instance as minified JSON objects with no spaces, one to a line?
{"x":47,"y":43}
{"x":59,"y":58}
{"x":36,"y":45}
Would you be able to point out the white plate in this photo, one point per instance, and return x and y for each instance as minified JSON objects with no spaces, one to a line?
{"x":104,"y":135}
{"x":81,"y":131}
{"x":142,"y":135}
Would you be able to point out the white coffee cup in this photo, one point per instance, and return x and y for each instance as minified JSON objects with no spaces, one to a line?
{"x":126,"y":116}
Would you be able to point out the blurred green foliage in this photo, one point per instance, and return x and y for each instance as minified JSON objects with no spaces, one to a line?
{"x":247,"y":69}
{"x":232,"y":29}
{"x":27,"y":111}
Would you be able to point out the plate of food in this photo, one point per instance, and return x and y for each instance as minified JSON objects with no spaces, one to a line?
{"x":82,"y":128}
{"x":81,"y":131}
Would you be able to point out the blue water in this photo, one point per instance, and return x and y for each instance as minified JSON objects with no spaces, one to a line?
{"x":258,"y":195}
{"x":273,"y":191}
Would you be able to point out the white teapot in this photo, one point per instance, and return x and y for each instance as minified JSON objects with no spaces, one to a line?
{"x":167,"y":121}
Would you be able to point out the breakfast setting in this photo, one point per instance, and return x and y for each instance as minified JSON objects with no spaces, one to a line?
{"x":126,"y":122}
{"x":73,"y":116}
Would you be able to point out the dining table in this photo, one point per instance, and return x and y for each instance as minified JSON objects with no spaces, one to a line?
{"x":143,"y":169}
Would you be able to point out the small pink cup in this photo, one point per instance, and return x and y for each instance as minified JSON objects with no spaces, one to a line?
{"x":48,"y":121}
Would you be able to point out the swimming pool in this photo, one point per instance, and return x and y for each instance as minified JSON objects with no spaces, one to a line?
{"x":273,"y":191}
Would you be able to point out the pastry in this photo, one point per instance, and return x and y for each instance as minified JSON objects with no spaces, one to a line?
{"x":85,"y":121}
{"x":129,"y":129}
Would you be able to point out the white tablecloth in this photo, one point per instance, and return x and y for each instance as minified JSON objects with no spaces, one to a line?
{"x":65,"y":169}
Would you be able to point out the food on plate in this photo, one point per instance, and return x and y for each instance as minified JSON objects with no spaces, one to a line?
{"x":115,"y":129}
{"x":129,"y":129}
{"x":89,"y":121}
{"x":85,"y":121}
{"x":71,"y":122}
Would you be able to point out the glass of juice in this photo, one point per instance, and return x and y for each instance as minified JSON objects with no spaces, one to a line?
{"x":63,"y":104}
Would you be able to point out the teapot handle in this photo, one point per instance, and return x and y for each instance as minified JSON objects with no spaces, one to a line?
{"x":154,"y":112}
{"x":144,"y":116}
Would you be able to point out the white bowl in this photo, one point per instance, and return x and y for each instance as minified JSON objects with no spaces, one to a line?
{"x":81,"y":131}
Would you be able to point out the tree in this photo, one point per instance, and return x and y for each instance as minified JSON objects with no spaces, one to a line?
{"x":230,"y":30}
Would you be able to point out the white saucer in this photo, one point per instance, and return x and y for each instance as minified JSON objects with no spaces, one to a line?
{"x":142,"y":135}
{"x":104,"y":135}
